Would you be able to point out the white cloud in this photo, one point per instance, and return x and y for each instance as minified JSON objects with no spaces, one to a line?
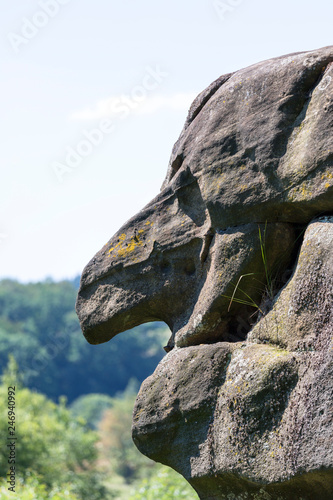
{"x":123,"y":105}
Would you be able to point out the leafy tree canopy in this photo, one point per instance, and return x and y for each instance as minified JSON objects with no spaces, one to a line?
{"x":50,"y":443}
{"x":39,"y":325}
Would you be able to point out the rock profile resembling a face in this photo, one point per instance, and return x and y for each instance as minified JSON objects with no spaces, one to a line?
{"x":244,"y":217}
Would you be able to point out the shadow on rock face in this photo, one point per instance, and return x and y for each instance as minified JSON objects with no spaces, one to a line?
{"x":227,"y":256}
{"x":254,"y":417}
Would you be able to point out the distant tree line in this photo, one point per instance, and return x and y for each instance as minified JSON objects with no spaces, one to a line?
{"x":39,"y":326}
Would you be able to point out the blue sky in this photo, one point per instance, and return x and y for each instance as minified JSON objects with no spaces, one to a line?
{"x":93,"y":96}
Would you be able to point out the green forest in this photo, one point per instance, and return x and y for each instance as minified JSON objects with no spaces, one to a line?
{"x":74,"y":401}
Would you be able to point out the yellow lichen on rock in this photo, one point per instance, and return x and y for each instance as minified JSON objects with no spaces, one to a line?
{"x":123,"y":249}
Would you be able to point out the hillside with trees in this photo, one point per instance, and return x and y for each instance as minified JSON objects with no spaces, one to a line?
{"x":59,"y":456}
{"x":39,"y":326}
{"x":74,"y":402}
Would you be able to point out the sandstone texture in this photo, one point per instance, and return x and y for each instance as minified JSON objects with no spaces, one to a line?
{"x":235,"y":255}
{"x":254,"y":419}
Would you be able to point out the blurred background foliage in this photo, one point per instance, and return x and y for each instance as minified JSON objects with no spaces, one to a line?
{"x":74,"y":402}
{"x":39,"y":325}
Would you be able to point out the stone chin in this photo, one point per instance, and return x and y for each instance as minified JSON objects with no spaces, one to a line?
{"x":100,"y":316}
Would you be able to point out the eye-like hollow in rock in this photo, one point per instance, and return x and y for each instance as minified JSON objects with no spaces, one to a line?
{"x":189,"y":268}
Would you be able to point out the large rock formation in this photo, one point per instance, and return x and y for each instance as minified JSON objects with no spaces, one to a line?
{"x":247,"y":417}
{"x":236,"y":256}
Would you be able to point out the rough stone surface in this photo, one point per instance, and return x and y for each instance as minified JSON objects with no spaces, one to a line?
{"x":302,"y":314}
{"x":242,"y":405}
{"x":254,"y":419}
{"x":257,"y":147}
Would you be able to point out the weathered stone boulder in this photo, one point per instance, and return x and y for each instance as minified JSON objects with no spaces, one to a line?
{"x":234,"y":257}
{"x":254,"y":419}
